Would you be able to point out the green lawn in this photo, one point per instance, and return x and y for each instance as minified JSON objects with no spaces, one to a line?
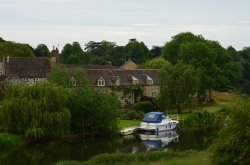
{"x":197,"y":158}
{"x":148,"y":158}
{"x":128,"y":123}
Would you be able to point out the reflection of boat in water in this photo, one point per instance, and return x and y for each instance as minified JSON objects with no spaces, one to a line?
{"x":159,"y":140}
{"x":157,"y":122}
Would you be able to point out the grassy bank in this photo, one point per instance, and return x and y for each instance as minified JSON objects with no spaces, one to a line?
{"x":150,"y":158}
{"x":128,"y":123}
{"x":8,"y":140}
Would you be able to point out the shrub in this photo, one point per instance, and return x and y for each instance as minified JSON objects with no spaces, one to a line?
{"x":200,"y":119}
{"x":8,"y":140}
{"x":232,"y":144}
{"x":131,"y":115}
{"x":93,"y":111}
{"x":144,"y":106}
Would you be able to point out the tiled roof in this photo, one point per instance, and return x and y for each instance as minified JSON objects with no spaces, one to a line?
{"x":90,"y":66}
{"x":126,"y":76}
{"x":27,"y":67}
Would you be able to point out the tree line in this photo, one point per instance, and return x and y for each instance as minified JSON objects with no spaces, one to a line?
{"x":216,"y":67}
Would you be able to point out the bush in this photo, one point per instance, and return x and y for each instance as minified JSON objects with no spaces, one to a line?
{"x":8,"y":140}
{"x":232,"y":144}
{"x":144,"y":106}
{"x":131,"y":115}
{"x":93,"y":111}
{"x":200,"y":119}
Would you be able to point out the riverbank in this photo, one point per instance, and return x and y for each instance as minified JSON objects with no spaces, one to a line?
{"x":148,"y":158}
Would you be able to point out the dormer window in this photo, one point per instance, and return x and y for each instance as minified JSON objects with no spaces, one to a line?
{"x":149,"y":80}
{"x":72,"y":82}
{"x":118,"y":81}
{"x":101,"y":82}
{"x":135,"y":80}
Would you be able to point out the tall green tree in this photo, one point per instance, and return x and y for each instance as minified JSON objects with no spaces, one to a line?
{"x":207,"y":57}
{"x":103,"y":52}
{"x":177,"y":83}
{"x":73,"y":54}
{"x":36,"y":110}
{"x":42,"y":51}
{"x":93,"y":111}
{"x":13,"y":49}
{"x":244,"y":83}
{"x":137,"y":51}
{"x":156,"y":63}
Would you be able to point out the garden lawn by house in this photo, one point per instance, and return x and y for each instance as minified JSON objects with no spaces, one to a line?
{"x":128,"y":123}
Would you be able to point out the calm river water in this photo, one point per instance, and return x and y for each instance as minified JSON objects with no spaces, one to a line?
{"x":84,"y":149}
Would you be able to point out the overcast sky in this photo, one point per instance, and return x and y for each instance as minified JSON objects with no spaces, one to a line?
{"x":57,"y":22}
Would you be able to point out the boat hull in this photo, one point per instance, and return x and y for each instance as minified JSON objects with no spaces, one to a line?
{"x":157,"y":127}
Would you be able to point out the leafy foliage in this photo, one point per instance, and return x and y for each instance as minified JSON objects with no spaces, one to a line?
{"x":63,"y":76}
{"x":8,"y":140}
{"x":137,"y":51}
{"x":201,"y":120}
{"x":13,"y":49}
{"x":177,"y":83}
{"x":217,"y":70}
{"x":93,"y":111}
{"x":144,"y":106}
{"x":42,"y":51}
{"x":73,"y":54}
{"x":156,"y":63}
{"x":36,"y":111}
{"x":232,"y":144}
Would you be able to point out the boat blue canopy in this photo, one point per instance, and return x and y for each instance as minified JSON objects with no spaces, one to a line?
{"x":153,"y":117}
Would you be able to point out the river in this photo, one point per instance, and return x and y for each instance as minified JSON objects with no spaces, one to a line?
{"x":83,"y":149}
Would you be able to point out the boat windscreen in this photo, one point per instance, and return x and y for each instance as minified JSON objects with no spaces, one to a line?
{"x":152,"y":118}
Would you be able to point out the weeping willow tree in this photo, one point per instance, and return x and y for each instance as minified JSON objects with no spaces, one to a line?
{"x":35,"y":110}
{"x":177,"y":84}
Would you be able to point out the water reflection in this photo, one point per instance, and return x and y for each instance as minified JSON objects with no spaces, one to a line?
{"x":84,"y":149}
{"x":159,"y":141}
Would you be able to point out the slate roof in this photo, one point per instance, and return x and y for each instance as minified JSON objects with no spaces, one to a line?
{"x":27,"y":67}
{"x":111,"y":75}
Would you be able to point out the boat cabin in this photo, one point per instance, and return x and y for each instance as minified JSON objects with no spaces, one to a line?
{"x":154,"y":117}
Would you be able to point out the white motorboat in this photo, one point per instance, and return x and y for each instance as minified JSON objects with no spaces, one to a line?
{"x":157,"y":122}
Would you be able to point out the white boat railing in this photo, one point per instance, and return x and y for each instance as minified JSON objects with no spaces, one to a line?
{"x":174,"y":117}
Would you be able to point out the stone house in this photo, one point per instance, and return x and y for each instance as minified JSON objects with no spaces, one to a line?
{"x":128,"y":83}
{"x":25,"y":69}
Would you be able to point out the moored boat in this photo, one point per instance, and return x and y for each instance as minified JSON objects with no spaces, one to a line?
{"x":157,"y":122}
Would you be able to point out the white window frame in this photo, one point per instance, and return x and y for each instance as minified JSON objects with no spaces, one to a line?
{"x":72,"y":82}
{"x":35,"y":79}
{"x":150,"y":81}
{"x":101,"y":82}
{"x":117,"y":82}
{"x":135,"y":80}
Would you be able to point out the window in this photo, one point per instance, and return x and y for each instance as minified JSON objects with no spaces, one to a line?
{"x":118,"y":81}
{"x":72,"y":82}
{"x":101,"y":82}
{"x":25,"y":79}
{"x":135,"y":80}
{"x":149,"y":80}
{"x":35,"y":79}
{"x":154,"y":94}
